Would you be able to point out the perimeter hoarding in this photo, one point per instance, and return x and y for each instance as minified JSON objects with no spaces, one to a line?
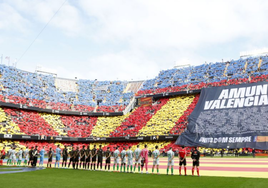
{"x":229,"y":117}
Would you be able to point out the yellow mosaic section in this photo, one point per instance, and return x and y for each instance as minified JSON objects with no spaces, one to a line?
{"x":9,"y":143}
{"x":166,"y":117}
{"x":69,"y":147}
{"x":55,"y":122}
{"x":6,"y":125}
{"x":151,"y":145}
{"x":103,"y":144}
{"x":106,"y":125}
{"x":61,"y":145}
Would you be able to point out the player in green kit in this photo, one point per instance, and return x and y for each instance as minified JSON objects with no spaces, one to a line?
{"x":19,"y":154}
{"x":123,"y":159}
{"x":9,"y":161}
{"x":26,"y":156}
{"x":155,"y":156}
{"x":13,"y":156}
{"x":137,"y":157}
{"x":116,"y":158}
{"x":170,"y":155}
{"x":129,"y":159}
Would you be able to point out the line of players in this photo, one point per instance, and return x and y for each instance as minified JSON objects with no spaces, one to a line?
{"x":90,"y":159}
{"x":16,"y":157}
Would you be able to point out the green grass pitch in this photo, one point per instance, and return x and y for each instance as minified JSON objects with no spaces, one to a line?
{"x":63,"y":178}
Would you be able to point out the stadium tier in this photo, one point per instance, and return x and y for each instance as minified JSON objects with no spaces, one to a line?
{"x":138,"y":119}
{"x":164,"y":146}
{"x":252,"y":69}
{"x":181,"y":124}
{"x":157,"y":119}
{"x":47,"y":91}
{"x":164,"y":119}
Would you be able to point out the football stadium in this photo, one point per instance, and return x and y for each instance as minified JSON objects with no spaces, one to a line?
{"x":197,"y":124}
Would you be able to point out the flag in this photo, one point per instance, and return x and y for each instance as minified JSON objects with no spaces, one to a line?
{"x":7,"y":57}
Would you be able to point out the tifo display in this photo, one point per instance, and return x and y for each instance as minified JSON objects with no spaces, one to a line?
{"x":220,"y":107}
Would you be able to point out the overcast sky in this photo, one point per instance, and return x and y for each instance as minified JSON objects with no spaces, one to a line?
{"x":121,"y":39}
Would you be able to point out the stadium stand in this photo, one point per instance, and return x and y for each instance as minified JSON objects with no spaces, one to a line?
{"x":181,"y":124}
{"x":30,"y":122}
{"x":106,"y":125}
{"x":163,"y":145}
{"x":46,"y":91}
{"x":164,"y":120}
{"x":33,"y":123}
{"x":79,"y":126}
{"x":166,"y":116}
{"x":207,"y":75}
{"x":6,"y":125}
{"x":120,"y":145}
{"x":55,"y":122}
{"x":138,"y":119}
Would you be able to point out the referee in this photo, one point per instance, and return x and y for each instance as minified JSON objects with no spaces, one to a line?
{"x":195,"y":156}
{"x":182,"y":158}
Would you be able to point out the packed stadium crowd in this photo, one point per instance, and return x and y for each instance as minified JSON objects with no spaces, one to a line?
{"x":164,"y":116}
{"x":46,"y":91}
{"x":252,"y":69}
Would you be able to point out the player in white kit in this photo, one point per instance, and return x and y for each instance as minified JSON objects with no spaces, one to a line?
{"x":155,"y":156}
{"x":129,"y":159}
{"x":116,"y":158}
{"x":13,"y":156}
{"x":9,"y":161}
{"x":26,"y":156}
{"x":137,"y":158}
{"x":19,"y":154}
{"x":170,"y":155}
{"x":123,"y":159}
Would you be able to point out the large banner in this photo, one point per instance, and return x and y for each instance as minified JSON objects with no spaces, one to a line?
{"x":229,"y":117}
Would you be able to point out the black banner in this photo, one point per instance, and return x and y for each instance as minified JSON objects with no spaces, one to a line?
{"x":19,"y":137}
{"x":229,"y":117}
{"x":89,"y":139}
{"x":169,"y":94}
{"x":60,"y":112}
